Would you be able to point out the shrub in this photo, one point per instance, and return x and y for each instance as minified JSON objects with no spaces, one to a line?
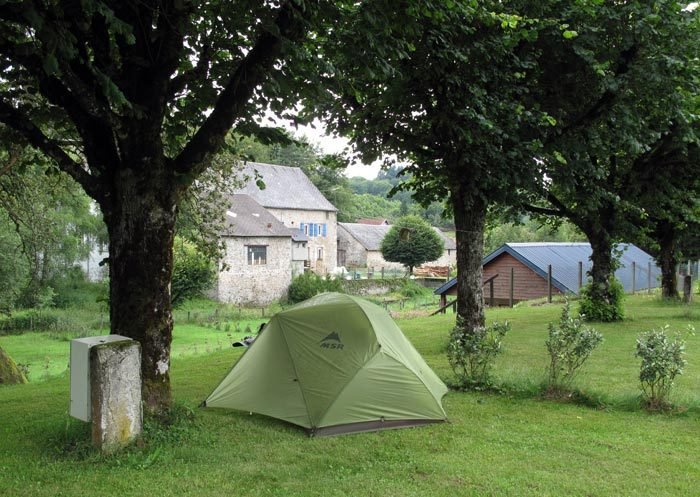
{"x":568,"y":346}
{"x":662,"y":360}
{"x":471,"y":353}
{"x":308,"y":284}
{"x":597,"y":305}
{"x":411,"y":241}
{"x":193,"y":272}
{"x":72,"y":289}
{"x":410,"y":289}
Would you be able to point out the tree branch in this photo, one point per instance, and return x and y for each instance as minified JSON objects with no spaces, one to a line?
{"x":559,"y":210}
{"x":200,"y":71}
{"x":606,"y":100}
{"x":249,"y":74}
{"x":22,"y":125}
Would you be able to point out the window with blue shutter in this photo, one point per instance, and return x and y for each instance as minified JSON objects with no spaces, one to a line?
{"x":323,"y":229}
{"x":301,"y":227}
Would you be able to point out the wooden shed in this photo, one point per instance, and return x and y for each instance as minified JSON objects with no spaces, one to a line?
{"x":527,"y":264}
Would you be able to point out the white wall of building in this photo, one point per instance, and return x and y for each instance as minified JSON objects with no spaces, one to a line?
{"x":297,"y":218}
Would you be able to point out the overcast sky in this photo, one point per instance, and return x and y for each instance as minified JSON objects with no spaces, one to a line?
{"x":332,"y":145}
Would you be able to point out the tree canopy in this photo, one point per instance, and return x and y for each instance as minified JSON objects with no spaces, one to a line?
{"x":490,"y":102}
{"x":133,"y":99}
{"x":412,"y":242}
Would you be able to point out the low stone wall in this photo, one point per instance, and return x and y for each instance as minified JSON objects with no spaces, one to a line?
{"x":371,"y":287}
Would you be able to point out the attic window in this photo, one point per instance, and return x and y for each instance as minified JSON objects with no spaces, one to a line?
{"x":257,"y":255}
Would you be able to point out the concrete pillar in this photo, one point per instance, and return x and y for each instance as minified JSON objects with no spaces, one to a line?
{"x":115,"y":392}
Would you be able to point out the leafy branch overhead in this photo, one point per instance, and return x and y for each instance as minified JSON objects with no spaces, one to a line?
{"x":133,"y":99}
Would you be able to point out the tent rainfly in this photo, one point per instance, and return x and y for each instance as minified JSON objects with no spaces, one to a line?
{"x":334,"y":364}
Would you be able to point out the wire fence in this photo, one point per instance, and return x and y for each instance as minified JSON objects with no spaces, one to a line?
{"x":368,"y":273}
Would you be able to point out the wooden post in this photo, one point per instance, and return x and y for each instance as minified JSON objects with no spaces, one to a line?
{"x":687,"y":289}
{"x":649,"y":277}
{"x":580,"y":274}
{"x":382,"y":272}
{"x":512,"y":285}
{"x":634,"y":277}
{"x":491,"y":292}
{"x":549,"y":283}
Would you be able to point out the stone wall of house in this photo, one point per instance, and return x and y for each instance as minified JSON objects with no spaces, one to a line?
{"x":355,"y":253}
{"x":248,"y":284}
{"x":448,"y":258}
{"x":376,"y":261}
{"x":294,"y":218}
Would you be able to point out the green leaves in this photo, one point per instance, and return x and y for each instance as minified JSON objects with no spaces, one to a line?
{"x":662,"y":359}
{"x":569,"y":346}
{"x":412,"y":242}
{"x":472,"y":352}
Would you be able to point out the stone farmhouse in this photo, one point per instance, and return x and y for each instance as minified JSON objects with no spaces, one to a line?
{"x":359,"y":245}
{"x":273,"y":234}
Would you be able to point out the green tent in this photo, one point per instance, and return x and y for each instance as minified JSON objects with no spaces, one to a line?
{"x":334,"y":364}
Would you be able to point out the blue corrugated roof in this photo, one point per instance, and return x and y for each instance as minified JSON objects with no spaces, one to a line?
{"x":564,"y":258}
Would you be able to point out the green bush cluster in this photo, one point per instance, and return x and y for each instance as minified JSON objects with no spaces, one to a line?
{"x":193,"y":272}
{"x":663,"y":358}
{"x":308,"y":284}
{"x":410,"y":289}
{"x":472,"y":351}
{"x":596,"y":305}
{"x":568,"y":346}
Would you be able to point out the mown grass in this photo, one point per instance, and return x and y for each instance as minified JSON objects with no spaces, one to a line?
{"x":46,"y":354}
{"x":512,"y":444}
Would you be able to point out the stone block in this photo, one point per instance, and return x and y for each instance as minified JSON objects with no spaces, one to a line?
{"x":115,"y":392}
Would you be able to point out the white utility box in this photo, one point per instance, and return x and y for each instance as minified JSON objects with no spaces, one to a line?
{"x":80,"y":402}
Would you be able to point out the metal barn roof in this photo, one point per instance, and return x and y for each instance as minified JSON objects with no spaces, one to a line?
{"x":564,"y":258}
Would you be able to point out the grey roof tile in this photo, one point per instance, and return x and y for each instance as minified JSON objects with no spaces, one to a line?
{"x":245,"y":217}
{"x":285,"y":188}
{"x":370,"y":236}
{"x":450,"y":244}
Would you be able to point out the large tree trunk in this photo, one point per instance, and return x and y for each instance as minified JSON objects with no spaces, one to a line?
{"x":667,"y":260}
{"x":604,"y":302}
{"x":602,"y":269}
{"x":470,"y":220}
{"x":140,"y":216}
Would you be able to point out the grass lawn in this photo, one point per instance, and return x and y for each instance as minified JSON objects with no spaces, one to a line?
{"x":512,"y":444}
{"x":47,"y":353}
